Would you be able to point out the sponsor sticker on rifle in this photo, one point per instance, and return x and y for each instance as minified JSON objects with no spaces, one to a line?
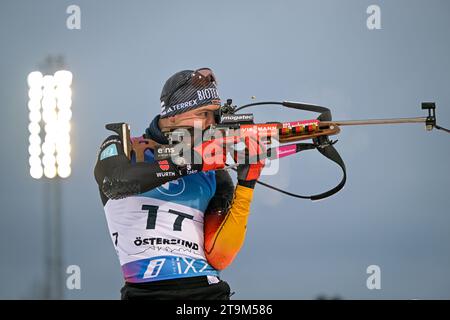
{"x":237,"y":118}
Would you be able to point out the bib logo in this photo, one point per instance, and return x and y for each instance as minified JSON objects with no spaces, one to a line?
{"x":172,"y":188}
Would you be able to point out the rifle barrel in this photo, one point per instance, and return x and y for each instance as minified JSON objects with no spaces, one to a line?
{"x":373,"y":121}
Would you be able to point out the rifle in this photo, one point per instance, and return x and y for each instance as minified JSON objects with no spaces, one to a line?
{"x":319,"y":130}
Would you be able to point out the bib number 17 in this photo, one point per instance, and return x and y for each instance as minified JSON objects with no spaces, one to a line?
{"x":153,"y":213}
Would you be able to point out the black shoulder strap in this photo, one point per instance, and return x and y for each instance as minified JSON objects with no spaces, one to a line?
{"x":326,"y":148}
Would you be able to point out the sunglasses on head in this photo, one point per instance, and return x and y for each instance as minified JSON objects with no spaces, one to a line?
{"x":203,"y":76}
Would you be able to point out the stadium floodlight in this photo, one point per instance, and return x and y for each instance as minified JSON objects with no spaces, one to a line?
{"x":50,"y":101}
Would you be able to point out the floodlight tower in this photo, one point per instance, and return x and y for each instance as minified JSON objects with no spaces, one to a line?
{"x":50,"y":101}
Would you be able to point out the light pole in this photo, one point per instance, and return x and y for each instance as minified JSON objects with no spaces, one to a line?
{"x":50,"y":101}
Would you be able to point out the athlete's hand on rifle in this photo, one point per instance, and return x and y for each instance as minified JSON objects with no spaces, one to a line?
{"x":212,"y":154}
{"x":250,"y":161}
